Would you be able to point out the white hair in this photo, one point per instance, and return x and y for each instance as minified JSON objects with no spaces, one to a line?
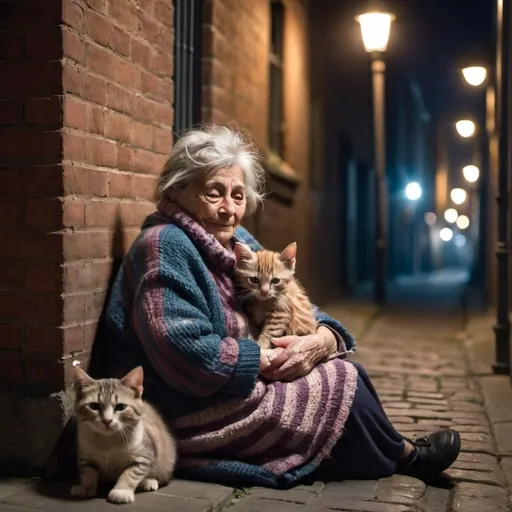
{"x":209,"y":149}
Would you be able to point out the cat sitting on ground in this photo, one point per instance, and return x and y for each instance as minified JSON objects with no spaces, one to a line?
{"x":275,"y":302}
{"x":121,"y":439}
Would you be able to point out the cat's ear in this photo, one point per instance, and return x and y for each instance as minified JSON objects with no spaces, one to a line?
{"x":243,"y":252}
{"x":289,"y":255}
{"x":80,"y":378}
{"x":134,"y":380}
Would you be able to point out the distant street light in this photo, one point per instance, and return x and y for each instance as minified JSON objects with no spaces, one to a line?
{"x":463,"y":222}
{"x":475,"y":75}
{"x":446,"y":234}
{"x":458,"y":195}
{"x":413,"y":191}
{"x":471,"y":173}
{"x":465,"y":128}
{"x":451,"y":215}
{"x":375,"y":31}
{"x":460,"y":240}
{"x":430,"y":218}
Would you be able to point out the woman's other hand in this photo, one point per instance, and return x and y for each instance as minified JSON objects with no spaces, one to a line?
{"x":267,"y":356}
{"x":299,"y":354}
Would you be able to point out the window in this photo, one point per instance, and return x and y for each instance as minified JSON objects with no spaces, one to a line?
{"x":276,"y":107}
{"x":187,"y":64}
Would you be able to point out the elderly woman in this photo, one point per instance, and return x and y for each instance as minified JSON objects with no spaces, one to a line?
{"x":241,"y":415}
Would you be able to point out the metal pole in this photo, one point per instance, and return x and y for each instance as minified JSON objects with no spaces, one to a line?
{"x":380,"y":279}
{"x":502,"y":326}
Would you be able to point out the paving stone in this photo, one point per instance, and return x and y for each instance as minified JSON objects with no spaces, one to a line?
{"x":471,"y":497}
{"x":427,"y":401}
{"x":217,"y":495}
{"x":484,"y":429}
{"x":262,"y":505}
{"x":506,"y":465}
{"x":431,"y":407}
{"x":475,"y":477}
{"x":426,"y":394}
{"x":11,"y":485}
{"x":293,"y":495}
{"x":436,"y":499}
{"x":360,"y":506}
{"x":435,"y":423}
{"x":465,"y":406}
{"x":402,"y":485}
{"x":503,"y":436}
{"x":353,"y":489}
{"x":477,"y":442}
{"x":468,"y":396}
{"x":397,"y":405}
{"x":399,"y":419}
{"x":500,"y":414}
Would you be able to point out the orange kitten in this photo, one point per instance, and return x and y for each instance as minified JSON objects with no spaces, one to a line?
{"x":276,"y":303}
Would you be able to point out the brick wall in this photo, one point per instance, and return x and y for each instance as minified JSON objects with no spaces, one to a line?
{"x":85,"y":126}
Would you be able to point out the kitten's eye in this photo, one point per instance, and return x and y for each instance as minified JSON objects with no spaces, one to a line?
{"x":94,"y":406}
{"x":275,"y":280}
{"x":254,"y":280}
{"x":120,"y":407}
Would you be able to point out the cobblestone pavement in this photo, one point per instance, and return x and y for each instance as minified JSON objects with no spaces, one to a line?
{"x":430,"y":373}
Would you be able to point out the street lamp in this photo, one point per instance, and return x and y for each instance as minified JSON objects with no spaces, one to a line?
{"x":446,"y":234}
{"x":463,"y":222}
{"x":451,"y":215}
{"x":413,"y":191}
{"x":465,"y":128}
{"x":458,"y":195}
{"x":471,"y":173}
{"x":375,"y":31}
{"x":475,"y":75}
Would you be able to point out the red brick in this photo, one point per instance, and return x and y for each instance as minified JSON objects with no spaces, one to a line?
{"x":150,"y":85}
{"x":127,"y":74}
{"x":11,"y":45}
{"x":73,"y":215}
{"x":98,"y":5}
{"x":141,"y":54}
{"x":90,"y":330}
{"x":144,"y":109}
{"x":82,"y":181}
{"x":30,"y":12}
{"x":11,"y":367}
{"x":11,"y":276}
{"x":161,"y":64}
{"x":147,"y":7}
{"x":164,"y":13}
{"x":47,"y":340}
{"x":26,"y":146}
{"x":100,"y":214}
{"x":9,"y":112}
{"x":95,"y":119}
{"x":73,"y":79}
{"x":74,"y":339}
{"x":144,"y":186}
{"x":166,"y":91}
{"x":73,"y":146}
{"x":96,"y":89}
{"x":44,"y":215}
{"x":142,"y":135}
{"x":120,"y":184}
{"x":10,"y":336}
{"x":121,"y":42}
{"x":73,"y":15}
{"x":45,"y":309}
{"x":42,"y":181}
{"x":162,"y":140}
{"x":120,"y":99}
{"x":101,"y":152}
{"x":125,"y":159}
{"x":124,"y":14}
{"x":74,"y":308}
{"x":45,"y":111}
{"x":151,"y":31}
{"x":46,"y":43}
{"x":146,"y":161}
{"x":74,"y":113}
{"x":73,"y":46}
{"x":81,"y":245}
{"x":133,"y":214}
{"x":87,"y":275}
{"x":101,"y":61}
{"x":9,"y":214}
{"x":48,"y":374}
{"x":99,"y":28}
{"x":43,"y":279}
{"x":31,"y":247}
{"x":10,"y":182}
{"x":163,"y":114}
{"x":117,"y":126}
{"x":94,"y":305}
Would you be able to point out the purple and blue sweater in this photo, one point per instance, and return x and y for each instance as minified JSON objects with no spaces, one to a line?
{"x":173,"y":310}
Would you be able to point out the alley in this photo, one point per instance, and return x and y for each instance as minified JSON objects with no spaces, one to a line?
{"x":431,"y":371}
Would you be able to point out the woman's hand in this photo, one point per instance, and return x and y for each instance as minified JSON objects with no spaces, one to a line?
{"x":299,"y":354}
{"x":267,"y":356}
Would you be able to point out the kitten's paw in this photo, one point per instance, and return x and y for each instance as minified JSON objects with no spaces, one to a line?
{"x":79,"y":491}
{"x":121,"y":496}
{"x":149,"y":484}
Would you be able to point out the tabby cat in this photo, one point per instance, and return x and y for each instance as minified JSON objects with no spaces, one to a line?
{"x":122,"y":440}
{"x":275,"y":302}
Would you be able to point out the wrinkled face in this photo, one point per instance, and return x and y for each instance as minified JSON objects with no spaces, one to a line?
{"x":218,"y":202}
{"x":264,"y":274}
{"x":107,"y":406}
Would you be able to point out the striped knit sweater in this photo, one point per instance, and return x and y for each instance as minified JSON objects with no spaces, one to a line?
{"x":173,"y":310}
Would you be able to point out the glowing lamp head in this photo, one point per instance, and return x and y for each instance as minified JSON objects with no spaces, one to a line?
{"x":465,"y":128}
{"x":471,"y":173}
{"x":458,"y":195}
{"x":451,"y":215}
{"x":446,"y":234}
{"x":463,"y":222}
{"x":413,"y":191}
{"x":460,"y":240}
{"x":475,"y":75}
{"x":375,"y":29}
{"x":430,"y":218}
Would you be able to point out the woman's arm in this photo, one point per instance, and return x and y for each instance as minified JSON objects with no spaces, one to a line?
{"x":172,"y":322}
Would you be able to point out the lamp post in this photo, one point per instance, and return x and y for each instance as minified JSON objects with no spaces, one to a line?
{"x":375,"y":31}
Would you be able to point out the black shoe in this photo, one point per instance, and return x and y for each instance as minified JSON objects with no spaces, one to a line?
{"x":431,"y":454}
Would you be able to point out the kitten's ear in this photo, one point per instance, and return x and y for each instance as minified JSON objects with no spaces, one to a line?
{"x":134,"y":380}
{"x":80,"y":378}
{"x":243,"y":252}
{"x":289,"y":254}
